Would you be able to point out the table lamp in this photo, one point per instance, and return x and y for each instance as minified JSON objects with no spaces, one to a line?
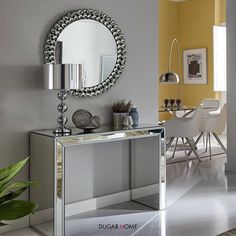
{"x":62,"y":77}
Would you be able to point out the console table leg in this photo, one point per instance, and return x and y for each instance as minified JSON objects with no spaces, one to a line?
{"x":59,"y":190}
{"x":148,"y":154}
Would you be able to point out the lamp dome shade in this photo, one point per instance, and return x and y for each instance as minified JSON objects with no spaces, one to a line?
{"x":169,"y":77}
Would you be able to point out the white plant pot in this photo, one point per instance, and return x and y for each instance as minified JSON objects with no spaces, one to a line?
{"x":118,"y":119}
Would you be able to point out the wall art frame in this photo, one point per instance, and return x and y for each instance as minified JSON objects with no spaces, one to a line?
{"x":195,"y":66}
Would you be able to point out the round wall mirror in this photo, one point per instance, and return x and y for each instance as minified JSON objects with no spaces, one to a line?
{"x":92,"y":39}
{"x":91,"y":44}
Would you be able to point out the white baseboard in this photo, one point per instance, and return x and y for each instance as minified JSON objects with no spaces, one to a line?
{"x":94,"y":203}
{"x":145,"y":191}
{"x":230,"y":166}
{"x":15,"y":225}
{"x":41,"y":216}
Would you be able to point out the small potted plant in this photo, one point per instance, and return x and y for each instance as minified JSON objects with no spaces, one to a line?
{"x":10,"y":208}
{"x":120,"y":111}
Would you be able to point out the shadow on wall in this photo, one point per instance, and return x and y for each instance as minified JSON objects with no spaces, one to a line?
{"x":28,"y":77}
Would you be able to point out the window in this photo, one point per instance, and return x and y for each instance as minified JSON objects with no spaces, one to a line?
{"x":219,"y":58}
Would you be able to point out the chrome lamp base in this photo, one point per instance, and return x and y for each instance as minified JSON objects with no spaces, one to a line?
{"x":62,"y":131}
{"x":62,"y":119}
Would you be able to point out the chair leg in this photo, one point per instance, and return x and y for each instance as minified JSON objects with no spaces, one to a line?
{"x":193,"y":149}
{"x":185,"y":153}
{"x":220,"y":143}
{"x":169,"y":143}
{"x":203,"y":139}
{"x":176,"y":143}
{"x":206,"y":149}
{"x":196,"y":142}
{"x":209,"y":138}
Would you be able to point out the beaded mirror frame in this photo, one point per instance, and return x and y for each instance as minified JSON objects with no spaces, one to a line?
{"x":49,"y":49}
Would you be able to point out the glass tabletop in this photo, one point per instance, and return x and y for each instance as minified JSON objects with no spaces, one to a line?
{"x":104,"y":129}
{"x":176,"y":108}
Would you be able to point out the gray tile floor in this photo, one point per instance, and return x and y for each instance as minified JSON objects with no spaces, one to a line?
{"x":201,"y":202}
{"x":22,"y":232}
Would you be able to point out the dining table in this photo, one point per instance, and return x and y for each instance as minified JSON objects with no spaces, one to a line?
{"x":177,"y":110}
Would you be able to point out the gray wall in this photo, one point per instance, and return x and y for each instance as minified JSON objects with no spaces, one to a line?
{"x":231,"y":84}
{"x":24,"y":106}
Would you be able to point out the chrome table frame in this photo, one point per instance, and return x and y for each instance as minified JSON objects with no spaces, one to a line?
{"x":61,"y":143}
{"x":173,"y":109}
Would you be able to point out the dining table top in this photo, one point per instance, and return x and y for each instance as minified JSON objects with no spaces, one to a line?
{"x":176,"y":108}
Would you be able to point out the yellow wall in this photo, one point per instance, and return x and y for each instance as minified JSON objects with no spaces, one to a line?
{"x":220,"y":11}
{"x":196,"y":20}
{"x":192,"y":22}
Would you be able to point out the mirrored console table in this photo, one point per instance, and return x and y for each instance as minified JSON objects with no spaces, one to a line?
{"x":69,"y":167}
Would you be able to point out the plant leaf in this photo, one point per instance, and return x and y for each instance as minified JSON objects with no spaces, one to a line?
{"x":17,"y":185}
{"x":11,"y":195}
{"x":7,"y":174}
{"x":16,"y":209}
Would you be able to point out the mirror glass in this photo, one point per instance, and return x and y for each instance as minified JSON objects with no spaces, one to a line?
{"x":91,"y":44}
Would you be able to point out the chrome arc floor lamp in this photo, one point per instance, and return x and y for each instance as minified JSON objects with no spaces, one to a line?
{"x":171,"y":77}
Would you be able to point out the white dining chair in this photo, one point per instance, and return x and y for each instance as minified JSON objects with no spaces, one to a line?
{"x":214,"y":123}
{"x":209,"y":106}
{"x":185,"y":128}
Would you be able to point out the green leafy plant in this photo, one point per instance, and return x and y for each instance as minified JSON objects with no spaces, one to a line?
{"x":10,"y":208}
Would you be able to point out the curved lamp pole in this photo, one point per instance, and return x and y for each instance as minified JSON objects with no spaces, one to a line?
{"x":170,"y":77}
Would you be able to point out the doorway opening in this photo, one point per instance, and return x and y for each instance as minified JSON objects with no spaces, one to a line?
{"x":200,"y":29}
